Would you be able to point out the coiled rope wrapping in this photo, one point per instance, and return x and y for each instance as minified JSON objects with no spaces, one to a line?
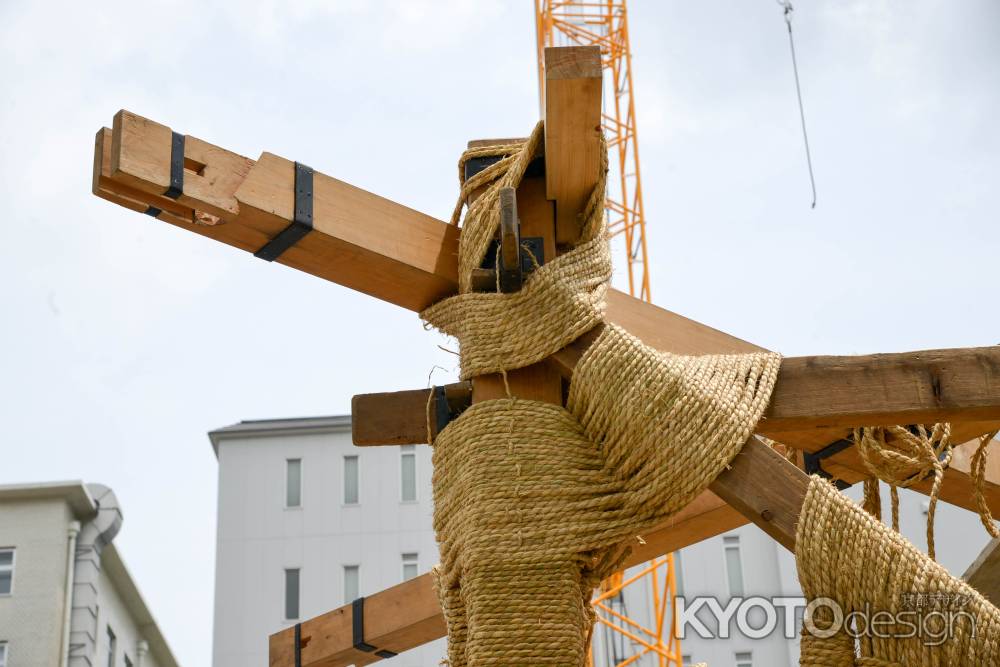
{"x":533,"y":502}
{"x":902,"y":456}
{"x":846,"y":555}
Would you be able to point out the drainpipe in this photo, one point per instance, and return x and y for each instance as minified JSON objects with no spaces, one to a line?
{"x":74,"y":530}
{"x":94,"y":536}
{"x":141,"y":649}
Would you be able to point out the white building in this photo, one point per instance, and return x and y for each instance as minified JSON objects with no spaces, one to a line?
{"x":307,"y":522}
{"x":66,"y":597}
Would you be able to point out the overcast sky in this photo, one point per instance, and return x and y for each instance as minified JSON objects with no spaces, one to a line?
{"x":125,"y":340}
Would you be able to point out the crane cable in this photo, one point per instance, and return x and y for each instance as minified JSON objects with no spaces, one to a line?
{"x":787,"y":5}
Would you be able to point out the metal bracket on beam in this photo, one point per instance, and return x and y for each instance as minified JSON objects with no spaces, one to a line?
{"x":298,"y":645}
{"x":176,"y":187}
{"x":358,"y":631}
{"x":477,"y":164}
{"x":812,"y":462}
{"x":302,"y":219}
{"x":442,"y":411}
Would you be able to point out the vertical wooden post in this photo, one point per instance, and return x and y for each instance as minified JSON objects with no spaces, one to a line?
{"x":573,"y":79}
{"x":572,"y":158}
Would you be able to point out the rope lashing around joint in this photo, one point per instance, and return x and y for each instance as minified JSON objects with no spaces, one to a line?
{"x":849,"y":557}
{"x":901,"y":457}
{"x":535,"y":503}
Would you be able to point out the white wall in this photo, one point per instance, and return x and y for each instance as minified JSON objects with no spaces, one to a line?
{"x":258,"y":538}
{"x":114,"y":614}
{"x":31,"y":618}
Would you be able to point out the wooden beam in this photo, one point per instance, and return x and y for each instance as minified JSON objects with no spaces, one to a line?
{"x":105,"y":188}
{"x":573,"y":79}
{"x":984,"y":572}
{"x":936,"y":385}
{"x":766,"y":488}
{"x":140,"y":158}
{"x":400,"y":417}
{"x":424,"y":266}
{"x":359,"y":239}
{"x":823,"y":392}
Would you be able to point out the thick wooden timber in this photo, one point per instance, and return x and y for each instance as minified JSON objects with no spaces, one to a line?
{"x":400,"y":417}
{"x":141,"y":156}
{"x":573,"y":79}
{"x":401,"y":242}
{"x":359,"y":239}
{"x":984,"y":572}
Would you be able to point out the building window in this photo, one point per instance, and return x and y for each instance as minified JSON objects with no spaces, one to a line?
{"x":293,"y":483}
{"x":734,"y":564}
{"x":350,"y":480}
{"x":744,"y":659}
{"x":409,"y":566}
{"x":352,"y":584}
{"x":678,"y":575}
{"x":408,"y":473}
{"x":292,"y":593}
{"x":3,"y":654}
{"x":112,"y":646}
{"x":6,"y":571}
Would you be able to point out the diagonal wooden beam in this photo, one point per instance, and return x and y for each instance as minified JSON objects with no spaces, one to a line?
{"x":410,"y":259}
{"x":359,"y":239}
{"x":984,"y":572}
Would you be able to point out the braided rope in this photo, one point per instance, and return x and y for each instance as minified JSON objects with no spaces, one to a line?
{"x":535,"y":503}
{"x":902,"y":457}
{"x":846,"y":555}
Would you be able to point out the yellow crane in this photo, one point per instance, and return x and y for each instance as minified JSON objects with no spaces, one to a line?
{"x":605,"y":23}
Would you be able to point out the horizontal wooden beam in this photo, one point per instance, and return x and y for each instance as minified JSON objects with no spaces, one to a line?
{"x":862,"y":391}
{"x":401,"y":417}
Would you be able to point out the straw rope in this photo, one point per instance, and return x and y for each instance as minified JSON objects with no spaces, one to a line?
{"x":903,"y":456}
{"x":535,"y":504}
{"x":845,"y":555}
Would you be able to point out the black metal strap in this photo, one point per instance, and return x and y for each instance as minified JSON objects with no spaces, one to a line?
{"x":302,"y":219}
{"x":812,"y":462}
{"x":298,"y":645}
{"x":153,"y":211}
{"x":358,"y":630}
{"x":442,"y":412}
{"x":176,"y":166}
